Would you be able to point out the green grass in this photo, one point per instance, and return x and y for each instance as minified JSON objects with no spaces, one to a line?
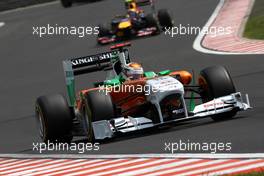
{"x":255,"y":24}
{"x":250,"y":174}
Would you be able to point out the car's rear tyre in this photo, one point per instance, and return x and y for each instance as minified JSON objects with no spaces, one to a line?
{"x":103,"y":30}
{"x":54,"y":118}
{"x":151,"y":21}
{"x":215,"y":82}
{"x":98,"y":106}
{"x":165,"y":19}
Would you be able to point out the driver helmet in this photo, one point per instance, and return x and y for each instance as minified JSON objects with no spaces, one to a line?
{"x":129,"y":2}
{"x":133,"y":71}
{"x":132,"y":6}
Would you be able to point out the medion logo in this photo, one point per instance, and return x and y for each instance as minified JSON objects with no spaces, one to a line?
{"x":89,"y":59}
{"x":216,"y":104}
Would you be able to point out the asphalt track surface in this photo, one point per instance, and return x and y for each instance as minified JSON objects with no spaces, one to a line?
{"x":31,"y":66}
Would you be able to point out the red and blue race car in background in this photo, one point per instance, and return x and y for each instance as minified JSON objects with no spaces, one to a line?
{"x":135,"y":23}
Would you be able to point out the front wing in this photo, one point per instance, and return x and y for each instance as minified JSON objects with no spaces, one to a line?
{"x":113,"y":38}
{"x":108,"y":128}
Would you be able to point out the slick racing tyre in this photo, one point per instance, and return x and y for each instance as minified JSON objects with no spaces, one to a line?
{"x":98,"y":106}
{"x":165,"y":19}
{"x":151,"y":21}
{"x":216,"y":82}
{"x":103,"y":30}
{"x":54,"y":119}
{"x":66,"y":3}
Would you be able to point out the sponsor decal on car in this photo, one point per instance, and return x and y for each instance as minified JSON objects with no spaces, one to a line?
{"x":92,"y":59}
{"x":214,"y":104}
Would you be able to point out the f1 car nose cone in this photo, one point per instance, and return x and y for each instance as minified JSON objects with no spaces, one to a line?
{"x":164,"y":84}
{"x":124,"y":25}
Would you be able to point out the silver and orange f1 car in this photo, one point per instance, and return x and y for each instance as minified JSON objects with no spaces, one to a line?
{"x":152,"y":100}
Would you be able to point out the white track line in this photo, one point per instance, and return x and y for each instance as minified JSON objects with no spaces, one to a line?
{"x":82,"y":156}
{"x":29,"y":7}
{"x":197,"y":45}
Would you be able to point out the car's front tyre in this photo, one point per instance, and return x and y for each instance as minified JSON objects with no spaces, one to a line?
{"x":216,"y":82}
{"x":98,"y":106}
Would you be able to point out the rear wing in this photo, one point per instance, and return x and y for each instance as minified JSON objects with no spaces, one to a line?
{"x":141,"y":3}
{"x":89,"y":64}
{"x":92,"y":63}
{"x":144,"y":2}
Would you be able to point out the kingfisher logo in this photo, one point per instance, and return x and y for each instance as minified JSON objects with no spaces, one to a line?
{"x":81,"y":61}
{"x":93,"y":59}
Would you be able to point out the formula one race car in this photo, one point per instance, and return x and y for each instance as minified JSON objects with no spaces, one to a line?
{"x":136,"y":23}
{"x":68,"y":3}
{"x":130,"y":99}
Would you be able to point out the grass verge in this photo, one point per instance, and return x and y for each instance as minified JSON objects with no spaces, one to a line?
{"x":255,"y":24}
{"x":260,"y":173}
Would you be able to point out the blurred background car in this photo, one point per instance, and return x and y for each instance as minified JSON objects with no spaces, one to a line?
{"x":135,"y":23}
